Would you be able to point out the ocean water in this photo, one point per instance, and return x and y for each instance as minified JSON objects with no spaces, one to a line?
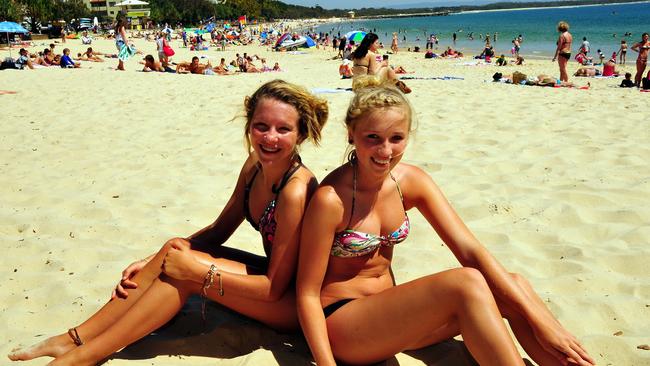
{"x":603,"y":25}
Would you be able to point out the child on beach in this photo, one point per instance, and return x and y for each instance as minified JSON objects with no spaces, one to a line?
{"x":271,"y":193}
{"x":349,"y":307}
{"x":627,"y":82}
{"x":67,"y":62}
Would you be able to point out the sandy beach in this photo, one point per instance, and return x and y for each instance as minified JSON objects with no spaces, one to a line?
{"x":99,"y":168}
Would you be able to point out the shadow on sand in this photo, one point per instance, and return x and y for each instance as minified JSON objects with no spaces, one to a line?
{"x":227,"y":335}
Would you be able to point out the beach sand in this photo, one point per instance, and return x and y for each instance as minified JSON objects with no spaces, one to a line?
{"x":99,"y":168}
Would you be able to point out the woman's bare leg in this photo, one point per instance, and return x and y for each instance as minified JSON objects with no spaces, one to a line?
{"x":58,"y":345}
{"x":640,"y":68}
{"x":423,"y":312}
{"x":563,"y":74}
{"x":159,"y":304}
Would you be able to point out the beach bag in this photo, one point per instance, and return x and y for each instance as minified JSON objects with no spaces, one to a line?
{"x":8,"y":63}
{"x":169,"y":52}
{"x":645,"y":84}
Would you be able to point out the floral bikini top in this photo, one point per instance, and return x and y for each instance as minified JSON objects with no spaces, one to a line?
{"x":267,"y":224}
{"x":352,"y":243}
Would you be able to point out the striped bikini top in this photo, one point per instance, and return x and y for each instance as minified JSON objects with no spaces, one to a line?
{"x":352,"y":243}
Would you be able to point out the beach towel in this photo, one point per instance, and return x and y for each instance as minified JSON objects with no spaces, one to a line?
{"x":431,"y":78}
{"x":330,"y":90}
{"x":126,"y":52}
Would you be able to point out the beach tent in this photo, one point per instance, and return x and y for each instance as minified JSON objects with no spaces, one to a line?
{"x":310,"y":42}
{"x":356,"y":36}
{"x":11,"y":27}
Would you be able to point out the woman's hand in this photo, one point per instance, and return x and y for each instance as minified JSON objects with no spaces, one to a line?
{"x":126,"y":282}
{"x":560,"y":343}
{"x":179,"y":259}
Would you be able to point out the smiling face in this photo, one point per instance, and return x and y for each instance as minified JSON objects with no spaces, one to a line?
{"x":380,"y":139}
{"x":274,"y":130}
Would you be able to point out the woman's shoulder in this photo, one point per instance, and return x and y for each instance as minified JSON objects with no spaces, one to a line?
{"x":411,"y":178}
{"x":335,"y":186}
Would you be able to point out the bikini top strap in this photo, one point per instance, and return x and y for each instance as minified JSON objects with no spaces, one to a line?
{"x":286,"y":177}
{"x":247,"y":190}
{"x":354,"y":190}
{"x":399,"y":190}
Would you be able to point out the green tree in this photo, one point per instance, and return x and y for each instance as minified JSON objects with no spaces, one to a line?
{"x":36,"y":11}
{"x":10,"y":11}
{"x":69,"y":9}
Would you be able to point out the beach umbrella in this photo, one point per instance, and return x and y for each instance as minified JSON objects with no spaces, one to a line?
{"x":11,"y":27}
{"x":356,"y":36}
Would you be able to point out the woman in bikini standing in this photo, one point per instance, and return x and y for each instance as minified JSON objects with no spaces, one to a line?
{"x":350,"y":309}
{"x":272,"y":193}
{"x":642,"y":60}
{"x":364,"y":62}
{"x":563,"y":50}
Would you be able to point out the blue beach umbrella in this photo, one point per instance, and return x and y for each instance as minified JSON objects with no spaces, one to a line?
{"x":356,"y":36}
{"x":11,"y":27}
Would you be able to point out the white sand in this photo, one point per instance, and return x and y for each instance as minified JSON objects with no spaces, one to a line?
{"x":99,"y":168}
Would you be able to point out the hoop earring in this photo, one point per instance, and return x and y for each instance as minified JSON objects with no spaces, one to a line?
{"x":352,"y":156}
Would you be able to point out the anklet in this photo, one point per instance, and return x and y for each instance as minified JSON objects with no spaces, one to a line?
{"x":72,"y":332}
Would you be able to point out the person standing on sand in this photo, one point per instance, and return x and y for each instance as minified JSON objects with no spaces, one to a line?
{"x":393,"y":44}
{"x":124,"y":50}
{"x":563,"y":50}
{"x":621,"y":52}
{"x":272,"y":193}
{"x":642,"y":60}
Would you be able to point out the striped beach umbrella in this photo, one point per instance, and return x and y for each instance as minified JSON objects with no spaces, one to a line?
{"x":356,"y":36}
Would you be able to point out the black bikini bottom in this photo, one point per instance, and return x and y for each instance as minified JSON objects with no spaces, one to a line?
{"x":566,"y":55}
{"x":331,"y":308}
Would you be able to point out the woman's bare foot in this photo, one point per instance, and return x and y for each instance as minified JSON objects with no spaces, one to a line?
{"x":53,"y":347}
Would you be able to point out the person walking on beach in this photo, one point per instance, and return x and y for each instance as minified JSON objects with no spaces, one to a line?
{"x":563,"y":50}
{"x":271,"y":193}
{"x":124,"y":50}
{"x":393,"y":44}
{"x":349,"y":307}
{"x":622,"y":51}
{"x":642,"y":60}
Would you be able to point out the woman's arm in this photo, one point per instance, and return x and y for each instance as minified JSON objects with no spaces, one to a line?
{"x":429,"y":200}
{"x":272,"y":285}
{"x":123,"y":33}
{"x":560,"y":44}
{"x":635,"y":47}
{"x":232,"y":214}
{"x":322,"y":217}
